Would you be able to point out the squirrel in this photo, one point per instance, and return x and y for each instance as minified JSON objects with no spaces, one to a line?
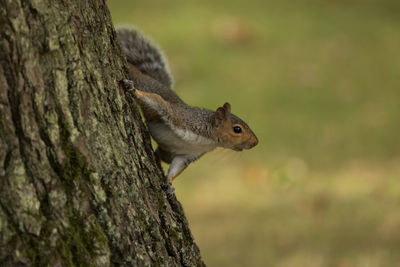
{"x":183,"y":133}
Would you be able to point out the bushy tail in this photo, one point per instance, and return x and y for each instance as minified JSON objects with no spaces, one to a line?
{"x":144,"y":55}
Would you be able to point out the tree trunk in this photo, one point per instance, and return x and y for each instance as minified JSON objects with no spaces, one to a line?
{"x":79,"y":183}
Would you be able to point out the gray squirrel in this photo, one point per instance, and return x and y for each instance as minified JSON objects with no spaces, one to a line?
{"x":183,"y":133}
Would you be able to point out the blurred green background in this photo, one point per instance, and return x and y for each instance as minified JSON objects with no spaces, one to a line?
{"x":319,"y":83}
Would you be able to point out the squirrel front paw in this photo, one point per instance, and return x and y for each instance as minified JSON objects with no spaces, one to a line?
{"x":128,"y":84}
{"x":170,"y":190}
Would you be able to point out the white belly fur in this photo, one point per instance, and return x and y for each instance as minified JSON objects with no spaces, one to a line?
{"x":180,"y":141}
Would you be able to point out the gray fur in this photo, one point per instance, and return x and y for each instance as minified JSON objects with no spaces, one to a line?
{"x":145,"y":55}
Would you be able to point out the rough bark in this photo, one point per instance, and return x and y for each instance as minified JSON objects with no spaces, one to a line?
{"x":79,"y":184}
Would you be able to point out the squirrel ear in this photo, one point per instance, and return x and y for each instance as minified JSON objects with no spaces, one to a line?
{"x":227,"y":107}
{"x":219,"y":117}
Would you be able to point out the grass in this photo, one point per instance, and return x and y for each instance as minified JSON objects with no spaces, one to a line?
{"x":318,"y":81}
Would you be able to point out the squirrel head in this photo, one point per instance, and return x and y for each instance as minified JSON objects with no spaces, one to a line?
{"x":231,"y":131}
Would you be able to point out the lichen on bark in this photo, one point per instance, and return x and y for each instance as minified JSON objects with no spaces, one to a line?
{"x":79,"y":183}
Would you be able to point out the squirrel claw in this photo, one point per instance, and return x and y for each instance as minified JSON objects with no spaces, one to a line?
{"x":170,"y":190}
{"x":128,"y":85}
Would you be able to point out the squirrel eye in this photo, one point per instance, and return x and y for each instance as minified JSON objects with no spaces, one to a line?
{"x":237,"y":129}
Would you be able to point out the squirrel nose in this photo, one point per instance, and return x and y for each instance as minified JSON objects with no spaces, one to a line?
{"x":255,"y":142}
